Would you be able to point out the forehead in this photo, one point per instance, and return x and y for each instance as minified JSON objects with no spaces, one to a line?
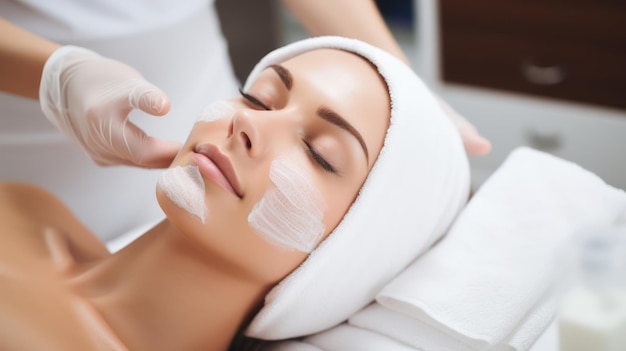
{"x":342,"y":64}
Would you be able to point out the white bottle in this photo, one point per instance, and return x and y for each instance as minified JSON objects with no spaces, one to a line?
{"x":592,"y":316}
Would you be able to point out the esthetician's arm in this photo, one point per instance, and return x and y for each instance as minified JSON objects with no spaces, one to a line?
{"x":22,"y":57}
{"x":86,"y":96}
{"x":361,"y":19}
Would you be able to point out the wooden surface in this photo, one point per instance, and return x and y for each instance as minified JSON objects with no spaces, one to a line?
{"x":573,"y":50}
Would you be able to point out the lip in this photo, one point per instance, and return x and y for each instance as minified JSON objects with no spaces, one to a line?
{"x":216,"y":167}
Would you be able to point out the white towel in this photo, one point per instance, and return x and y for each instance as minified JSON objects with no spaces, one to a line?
{"x":405,"y":329}
{"x":347,"y":337}
{"x":288,"y":345}
{"x":415,"y":189}
{"x":339,"y":338}
{"x":422,"y":336}
{"x":485,"y":284}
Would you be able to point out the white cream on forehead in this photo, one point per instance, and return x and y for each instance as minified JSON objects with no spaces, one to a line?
{"x":185,"y":187}
{"x":217,"y":110}
{"x":290,"y":214}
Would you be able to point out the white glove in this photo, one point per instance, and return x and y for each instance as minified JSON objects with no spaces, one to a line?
{"x":88,"y":97}
{"x":474,"y":143}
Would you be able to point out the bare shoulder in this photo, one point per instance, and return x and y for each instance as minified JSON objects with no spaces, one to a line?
{"x":41,"y":244}
{"x":27,"y":212}
{"x":26,"y":196}
{"x":21,"y":202}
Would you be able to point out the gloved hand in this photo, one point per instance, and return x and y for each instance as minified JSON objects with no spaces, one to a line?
{"x":474,"y":143}
{"x":88,"y":97}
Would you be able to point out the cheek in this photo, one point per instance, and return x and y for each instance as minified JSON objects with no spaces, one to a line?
{"x":290,"y":214}
{"x":340,"y":198}
{"x":218,"y":110}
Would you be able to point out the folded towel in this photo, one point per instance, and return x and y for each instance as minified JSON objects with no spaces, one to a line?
{"x":404,"y":328}
{"x":423,"y":336}
{"x":487,"y":282}
{"x":339,"y":338}
{"x":347,"y":337}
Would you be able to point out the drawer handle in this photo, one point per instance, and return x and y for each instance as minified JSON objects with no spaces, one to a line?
{"x":550,"y":75}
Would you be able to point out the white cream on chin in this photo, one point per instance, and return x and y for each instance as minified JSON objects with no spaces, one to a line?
{"x":290,"y":214}
{"x":217,"y":110}
{"x":185,"y":187}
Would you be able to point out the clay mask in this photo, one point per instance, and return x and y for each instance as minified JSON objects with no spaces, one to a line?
{"x":185,"y":187}
{"x":290,"y":214}
{"x":217,"y":110}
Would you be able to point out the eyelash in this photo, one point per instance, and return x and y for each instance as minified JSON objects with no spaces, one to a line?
{"x":253,"y":100}
{"x":319,"y":159}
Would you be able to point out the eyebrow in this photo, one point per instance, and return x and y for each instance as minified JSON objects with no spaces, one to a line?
{"x":284,"y":75}
{"x":334,"y":118}
{"x":324,"y":112}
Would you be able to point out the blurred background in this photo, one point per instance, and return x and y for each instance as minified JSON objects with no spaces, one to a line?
{"x":549,"y":74}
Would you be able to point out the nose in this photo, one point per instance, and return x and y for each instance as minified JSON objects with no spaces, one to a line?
{"x":258,"y":132}
{"x":243,"y":132}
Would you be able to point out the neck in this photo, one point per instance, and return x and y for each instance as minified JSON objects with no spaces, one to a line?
{"x":163,"y":293}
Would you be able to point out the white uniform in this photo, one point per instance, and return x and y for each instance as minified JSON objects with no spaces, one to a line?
{"x":178,"y":46}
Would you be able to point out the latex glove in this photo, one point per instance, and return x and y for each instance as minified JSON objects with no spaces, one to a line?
{"x":88,"y":97}
{"x":474,"y":143}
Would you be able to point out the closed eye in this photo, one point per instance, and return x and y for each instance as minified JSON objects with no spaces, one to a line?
{"x":317,"y":158}
{"x":253,"y":100}
{"x":320,"y":160}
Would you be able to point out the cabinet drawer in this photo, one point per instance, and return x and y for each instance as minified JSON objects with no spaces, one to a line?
{"x":577,"y":53}
{"x":538,"y":67}
{"x":597,"y":21}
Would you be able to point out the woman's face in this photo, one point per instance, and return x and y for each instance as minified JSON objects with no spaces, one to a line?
{"x":276,"y":174}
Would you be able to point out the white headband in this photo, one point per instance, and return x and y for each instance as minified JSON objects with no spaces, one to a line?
{"x":416,"y":187}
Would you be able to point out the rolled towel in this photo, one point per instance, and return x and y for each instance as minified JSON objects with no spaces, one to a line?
{"x":485,"y":283}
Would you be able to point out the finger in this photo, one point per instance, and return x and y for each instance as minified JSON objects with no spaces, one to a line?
{"x":476,"y":145}
{"x":149,"y":99}
{"x":158,"y":153}
{"x":111,"y":160}
{"x":141,"y":150}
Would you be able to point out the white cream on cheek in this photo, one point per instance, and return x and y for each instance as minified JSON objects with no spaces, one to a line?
{"x":290,"y":214}
{"x":217,"y":110}
{"x":185,"y":187}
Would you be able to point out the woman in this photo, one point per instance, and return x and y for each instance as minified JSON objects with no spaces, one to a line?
{"x":297,"y":157}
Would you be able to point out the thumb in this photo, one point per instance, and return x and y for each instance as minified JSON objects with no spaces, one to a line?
{"x":157,"y":153}
{"x":149,"y":99}
{"x":160,"y":153}
{"x":145,"y":151}
{"x":475,"y":144}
